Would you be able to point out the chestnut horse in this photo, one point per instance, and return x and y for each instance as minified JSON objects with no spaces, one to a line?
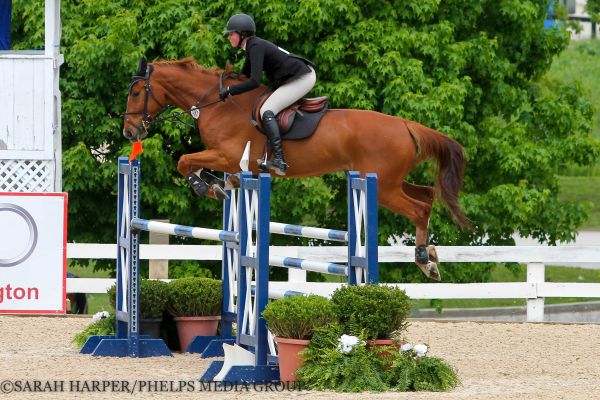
{"x":358,"y":140}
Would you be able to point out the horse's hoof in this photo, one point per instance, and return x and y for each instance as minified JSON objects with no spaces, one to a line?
{"x":262,"y":164}
{"x":433,"y":257}
{"x":209,"y":178}
{"x":219,"y":192}
{"x":430,"y":270}
{"x":233,"y":182}
{"x":198,"y":186}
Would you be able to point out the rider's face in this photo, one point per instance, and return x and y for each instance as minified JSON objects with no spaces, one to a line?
{"x":234,"y":38}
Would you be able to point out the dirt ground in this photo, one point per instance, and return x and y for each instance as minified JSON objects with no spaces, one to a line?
{"x":494,"y":361}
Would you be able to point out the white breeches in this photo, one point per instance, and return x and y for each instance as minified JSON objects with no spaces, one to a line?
{"x":289,"y":93}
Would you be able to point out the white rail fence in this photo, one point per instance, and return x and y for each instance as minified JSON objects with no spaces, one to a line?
{"x":534,"y":290}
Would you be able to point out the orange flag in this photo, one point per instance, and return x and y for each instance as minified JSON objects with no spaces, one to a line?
{"x":136,"y":150}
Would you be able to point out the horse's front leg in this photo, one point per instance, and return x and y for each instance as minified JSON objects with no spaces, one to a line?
{"x":192,"y":167}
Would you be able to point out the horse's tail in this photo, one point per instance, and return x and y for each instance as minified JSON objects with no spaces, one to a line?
{"x":451,"y":162}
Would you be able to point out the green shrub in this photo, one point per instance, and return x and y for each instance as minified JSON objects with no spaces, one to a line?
{"x":410,"y":372}
{"x":194,"y":297}
{"x":376,"y":310}
{"x":368,"y":368}
{"x":326,"y":368}
{"x":104,"y":326}
{"x":296,"y":317}
{"x":112,"y":296}
{"x":153,"y":298}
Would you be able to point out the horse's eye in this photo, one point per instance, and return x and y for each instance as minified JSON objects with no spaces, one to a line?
{"x":135,"y":94}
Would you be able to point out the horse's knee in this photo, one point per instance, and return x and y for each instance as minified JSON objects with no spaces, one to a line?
{"x":183,"y":166}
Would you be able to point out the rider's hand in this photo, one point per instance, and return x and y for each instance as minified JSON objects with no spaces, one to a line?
{"x":224,"y":93}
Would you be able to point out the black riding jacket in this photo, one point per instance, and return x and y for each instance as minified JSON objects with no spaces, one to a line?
{"x":279,"y":65}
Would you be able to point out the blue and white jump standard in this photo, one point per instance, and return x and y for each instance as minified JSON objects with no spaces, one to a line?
{"x":252,"y":333}
{"x":128,"y":341}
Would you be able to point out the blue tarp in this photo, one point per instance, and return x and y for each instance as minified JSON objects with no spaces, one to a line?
{"x":5,"y":12}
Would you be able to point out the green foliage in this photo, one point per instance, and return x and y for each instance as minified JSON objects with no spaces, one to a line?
{"x":296,"y":317}
{"x":153,"y":298}
{"x":592,"y":8}
{"x":183,"y":269}
{"x":377,"y":311}
{"x":578,"y":66}
{"x":194,"y":297}
{"x":369,"y":368}
{"x":471,"y":69}
{"x":104,"y":326}
{"x":112,"y":296}
{"x":410,"y":372}
{"x":325,"y":368}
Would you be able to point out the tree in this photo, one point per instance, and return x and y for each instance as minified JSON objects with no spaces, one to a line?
{"x":592,"y":8}
{"x":472,"y":69}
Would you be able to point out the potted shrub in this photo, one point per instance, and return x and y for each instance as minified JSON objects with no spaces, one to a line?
{"x":293,"y":321}
{"x":342,"y":357}
{"x":374,"y":311}
{"x":329,"y":364}
{"x":195,"y":304}
{"x":153,"y":300}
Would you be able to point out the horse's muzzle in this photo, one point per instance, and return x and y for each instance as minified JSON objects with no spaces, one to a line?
{"x":135,"y":134}
{"x":128,"y":134}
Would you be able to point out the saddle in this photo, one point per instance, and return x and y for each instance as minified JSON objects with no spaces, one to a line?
{"x":309,"y":110}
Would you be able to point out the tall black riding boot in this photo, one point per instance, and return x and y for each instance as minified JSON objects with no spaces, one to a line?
{"x":277,"y":163}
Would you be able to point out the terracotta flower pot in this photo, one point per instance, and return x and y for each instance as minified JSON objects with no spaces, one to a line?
{"x":190,"y":327}
{"x":386,"y":342}
{"x":289,"y":359}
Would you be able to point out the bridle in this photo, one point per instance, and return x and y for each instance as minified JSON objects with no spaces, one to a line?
{"x":147,"y":119}
{"x":194,"y":111}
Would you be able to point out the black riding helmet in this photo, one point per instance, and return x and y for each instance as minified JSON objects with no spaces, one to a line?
{"x":242,"y":24}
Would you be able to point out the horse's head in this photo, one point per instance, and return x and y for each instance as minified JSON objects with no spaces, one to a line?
{"x":144,"y":102}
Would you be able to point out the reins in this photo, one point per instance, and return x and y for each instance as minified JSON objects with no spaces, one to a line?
{"x":194,"y":111}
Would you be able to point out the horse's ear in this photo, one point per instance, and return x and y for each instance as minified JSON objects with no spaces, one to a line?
{"x":141,"y":68}
{"x":228,"y":67}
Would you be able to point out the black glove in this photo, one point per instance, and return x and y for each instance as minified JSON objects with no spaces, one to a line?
{"x":224,"y":93}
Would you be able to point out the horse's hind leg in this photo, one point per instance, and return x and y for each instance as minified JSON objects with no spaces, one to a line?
{"x":398,"y":200}
{"x":425,"y":194}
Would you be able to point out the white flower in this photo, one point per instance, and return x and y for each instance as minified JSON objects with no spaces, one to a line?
{"x":347,"y":343}
{"x":420,"y":349}
{"x":99,"y":315}
{"x":406,"y":347}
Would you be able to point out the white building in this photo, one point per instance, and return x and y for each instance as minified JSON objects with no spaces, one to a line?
{"x":30,"y":113}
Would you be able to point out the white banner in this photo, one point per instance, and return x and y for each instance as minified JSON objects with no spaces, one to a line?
{"x":33,"y":263}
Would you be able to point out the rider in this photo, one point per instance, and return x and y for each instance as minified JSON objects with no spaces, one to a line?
{"x":291,"y":76}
